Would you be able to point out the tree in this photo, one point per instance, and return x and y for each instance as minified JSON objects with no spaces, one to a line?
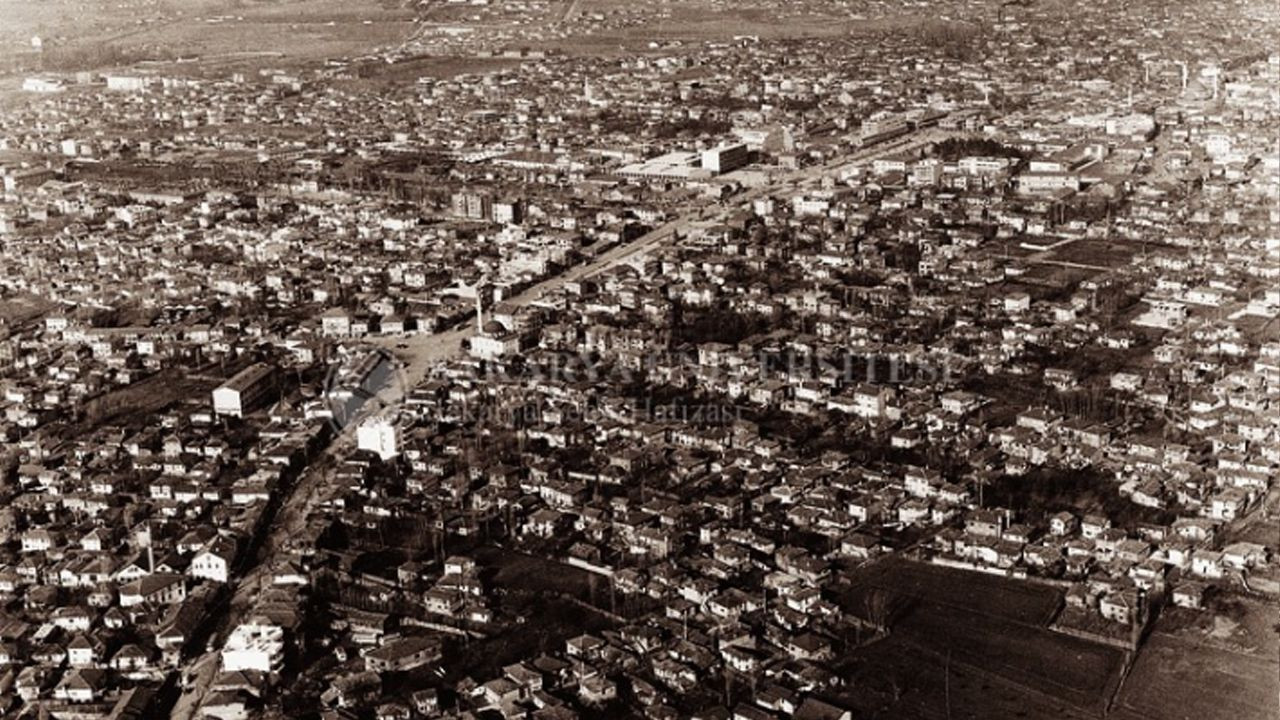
{"x":876,"y":607}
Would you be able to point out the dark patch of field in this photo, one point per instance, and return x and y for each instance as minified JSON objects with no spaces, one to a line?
{"x":1041,"y":282}
{"x":1258,"y":329}
{"x":536,"y":611}
{"x":440,"y":68}
{"x":136,"y":403}
{"x":897,"y":679}
{"x":1231,"y":622}
{"x":1004,"y":598}
{"x":547,"y":624}
{"x":992,"y":628}
{"x":708,"y":21}
{"x":1044,"y":491}
{"x":1056,"y":281}
{"x":1012,"y":393}
{"x":21,"y":309}
{"x":1174,"y":679}
{"x":526,"y":575}
{"x":1095,"y":252}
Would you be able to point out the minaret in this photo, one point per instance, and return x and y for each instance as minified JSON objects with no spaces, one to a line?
{"x":479,"y":311}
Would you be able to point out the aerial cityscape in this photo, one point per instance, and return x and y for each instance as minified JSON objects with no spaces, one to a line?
{"x":710,"y":359}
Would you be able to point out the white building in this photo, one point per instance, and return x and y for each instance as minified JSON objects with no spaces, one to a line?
{"x":1134,"y":125}
{"x":871,"y":401}
{"x":725,"y":158}
{"x":335,"y":322}
{"x":1047,"y":182}
{"x":127,"y":83}
{"x":982,"y":165}
{"x":381,"y":435}
{"x":42,"y":85}
{"x":1166,"y":314}
{"x":254,"y":645}
{"x":214,"y":562}
{"x":244,"y":391}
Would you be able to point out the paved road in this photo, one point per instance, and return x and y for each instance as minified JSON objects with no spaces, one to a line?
{"x":427,"y":350}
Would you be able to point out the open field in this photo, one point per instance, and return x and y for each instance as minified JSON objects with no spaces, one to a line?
{"x":610,"y":27}
{"x":99,"y":35}
{"x":1231,"y":622}
{"x":1075,"y":672}
{"x":219,"y":36}
{"x":21,"y":309}
{"x":410,"y":69}
{"x":1175,"y":679}
{"x":715,"y":19}
{"x":997,"y":597}
{"x":519,"y":575}
{"x":508,"y":569}
{"x":1095,"y":252}
{"x":137,"y":402}
{"x":896,"y":679}
{"x":994,"y":628}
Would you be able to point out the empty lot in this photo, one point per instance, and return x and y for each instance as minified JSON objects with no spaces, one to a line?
{"x":991,"y":628}
{"x":1175,"y":679}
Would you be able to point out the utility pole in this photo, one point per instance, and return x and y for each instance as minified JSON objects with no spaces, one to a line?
{"x":946,"y":682}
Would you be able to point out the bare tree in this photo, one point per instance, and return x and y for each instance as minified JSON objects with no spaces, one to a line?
{"x":876,"y":607}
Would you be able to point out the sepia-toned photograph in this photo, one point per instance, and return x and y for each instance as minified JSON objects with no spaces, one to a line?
{"x":653,"y":359}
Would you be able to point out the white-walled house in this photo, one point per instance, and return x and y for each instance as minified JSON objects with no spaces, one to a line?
{"x":214,"y":562}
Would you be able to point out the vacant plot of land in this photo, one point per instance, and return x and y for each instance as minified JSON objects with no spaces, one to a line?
{"x":521,"y":575}
{"x":296,"y":39}
{"x":1177,"y":680}
{"x":534,"y":605}
{"x":20,"y":309}
{"x":409,"y":70}
{"x":1095,"y":252}
{"x":518,"y":571}
{"x":989,"y":595}
{"x":136,"y":403}
{"x":700,"y":20}
{"x":896,"y":679}
{"x":1230,"y":622}
{"x":93,"y":35}
{"x":1073,"y":671}
{"x":994,"y":626}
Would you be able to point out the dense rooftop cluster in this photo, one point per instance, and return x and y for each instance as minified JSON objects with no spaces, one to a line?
{"x":610,"y":387}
